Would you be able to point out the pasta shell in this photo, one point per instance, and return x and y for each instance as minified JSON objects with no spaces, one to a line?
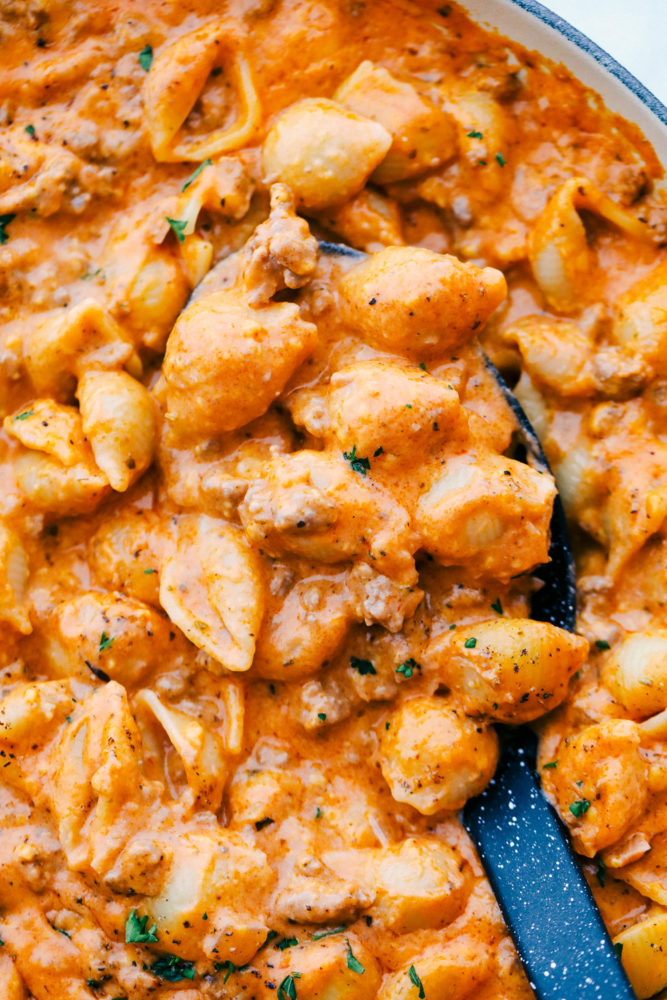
{"x":212,"y":588}
{"x":120,"y":422}
{"x":175,"y":81}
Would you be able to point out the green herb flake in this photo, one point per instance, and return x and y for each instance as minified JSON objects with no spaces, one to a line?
{"x":497,"y":606}
{"x":378,"y":451}
{"x":68,"y":718}
{"x":286,"y":943}
{"x":358,"y":464}
{"x":474,"y":135}
{"x":501,"y":159}
{"x":362,"y":667}
{"x":204,"y":916}
{"x":470,"y":643}
{"x":106,"y":641}
{"x":172,"y":968}
{"x":4,"y":222}
{"x":551,"y":764}
{"x":601,"y":873}
{"x":416,"y":981}
{"x":452,"y":627}
{"x":422,"y":366}
{"x":135,"y":930}
{"x":580,"y":807}
{"x":94,"y":984}
{"x":318,"y":813}
{"x":408,"y":668}
{"x":195,"y":174}
{"x":30,"y":129}
{"x":353,"y":964}
{"x":287,"y":988}
{"x":24,"y":415}
{"x":149,"y":572}
{"x":318,"y":935}
{"x":602,"y":644}
{"x":178,"y":226}
{"x":146,"y":57}
{"x":322,"y":716}
{"x":228,"y":965}
{"x":61,"y":931}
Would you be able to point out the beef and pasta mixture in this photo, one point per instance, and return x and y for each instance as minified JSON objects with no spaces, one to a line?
{"x":266,"y":545}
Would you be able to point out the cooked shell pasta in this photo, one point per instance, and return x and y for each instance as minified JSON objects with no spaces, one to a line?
{"x":119,"y":419}
{"x":211,"y":587}
{"x":174,"y":83}
{"x":346,"y":147}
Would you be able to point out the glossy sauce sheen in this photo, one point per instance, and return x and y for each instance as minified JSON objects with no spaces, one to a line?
{"x":265,"y":557}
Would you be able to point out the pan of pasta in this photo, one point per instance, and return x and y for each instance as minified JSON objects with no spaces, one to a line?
{"x":267,"y":550}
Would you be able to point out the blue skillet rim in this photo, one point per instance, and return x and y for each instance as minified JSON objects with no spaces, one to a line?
{"x":601,"y":57}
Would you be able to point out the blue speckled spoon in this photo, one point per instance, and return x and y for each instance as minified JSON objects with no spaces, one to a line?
{"x":547,"y":904}
{"x":524,"y":847}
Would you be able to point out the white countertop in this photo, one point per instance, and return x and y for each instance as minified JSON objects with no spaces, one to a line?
{"x":632,"y":31}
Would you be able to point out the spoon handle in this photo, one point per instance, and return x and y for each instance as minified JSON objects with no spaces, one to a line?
{"x":545,"y":899}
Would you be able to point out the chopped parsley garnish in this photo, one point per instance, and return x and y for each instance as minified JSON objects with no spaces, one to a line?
{"x":378,"y":451}
{"x":601,"y":872}
{"x":146,"y":57}
{"x":422,"y":366}
{"x":261,"y":823}
{"x":195,"y":174}
{"x":135,"y":930}
{"x":497,"y":606}
{"x":178,"y":225}
{"x":580,"y":807}
{"x":106,"y":641}
{"x":322,"y":934}
{"x":4,"y":222}
{"x":416,"y":981}
{"x":172,"y":968}
{"x":287,"y":989}
{"x":30,"y":129}
{"x":286,"y":943}
{"x":353,"y":964}
{"x":61,"y":931}
{"x":551,"y":764}
{"x":358,"y":464}
{"x":148,"y":572}
{"x":602,"y":644}
{"x":470,"y":643}
{"x":228,"y":965}
{"x":24,"y":415}
{"x":501,"y":159}
{"x":362,"y":666}
{"x":408,"y":668}
{"x":473,"y":135}
{"x":322,"y":716}
{"x":318,"y":813}
{"x":94,"y":984}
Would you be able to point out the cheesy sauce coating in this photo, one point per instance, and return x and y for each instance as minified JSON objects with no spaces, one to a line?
{"x":265,"y":554}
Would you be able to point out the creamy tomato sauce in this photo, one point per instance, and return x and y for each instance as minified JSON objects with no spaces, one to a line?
{"x":265,"y":552}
